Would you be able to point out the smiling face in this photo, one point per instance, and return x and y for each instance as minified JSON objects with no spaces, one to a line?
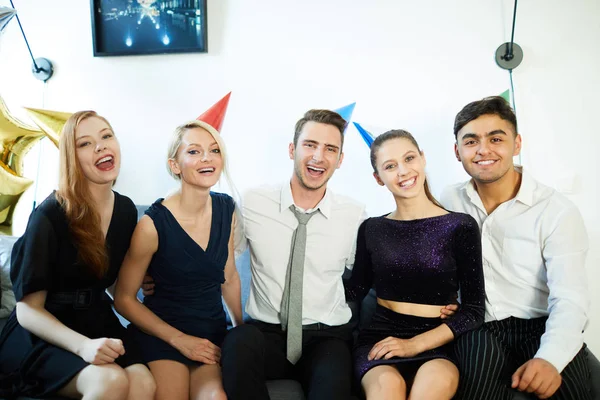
{"x":486,"y":147}
{"x":400,"y":167}
{"x":198,"y":161}
{"x":98,"y":151}
{"x":317,"y":154}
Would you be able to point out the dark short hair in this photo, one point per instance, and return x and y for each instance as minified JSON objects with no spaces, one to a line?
{"x":494,"y":105}
{"x":324,"y":117}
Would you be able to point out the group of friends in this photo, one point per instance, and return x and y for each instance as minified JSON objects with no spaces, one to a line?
{"x":478,"y":294}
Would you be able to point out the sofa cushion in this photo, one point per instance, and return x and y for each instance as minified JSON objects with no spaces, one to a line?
{"x":7,"y":302}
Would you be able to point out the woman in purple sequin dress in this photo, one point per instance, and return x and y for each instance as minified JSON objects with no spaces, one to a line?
{"x":417,"y":258}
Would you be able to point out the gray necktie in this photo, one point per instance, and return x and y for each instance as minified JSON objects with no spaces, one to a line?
{"x":291,"y":303}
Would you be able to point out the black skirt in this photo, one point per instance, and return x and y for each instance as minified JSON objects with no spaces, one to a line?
{"x":386,"y":323}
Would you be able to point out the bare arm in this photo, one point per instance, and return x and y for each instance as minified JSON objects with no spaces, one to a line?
{"x":144,"y":244}
{"x":33,"y":316}
{"x":232,"y":287}
{"x":394,"y":347}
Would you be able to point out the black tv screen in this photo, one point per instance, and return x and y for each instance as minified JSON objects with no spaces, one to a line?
{"x":128,"y":27}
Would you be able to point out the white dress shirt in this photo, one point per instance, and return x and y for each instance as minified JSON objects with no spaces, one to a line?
{"x":534,"y":249}
{"x":330,"y":245}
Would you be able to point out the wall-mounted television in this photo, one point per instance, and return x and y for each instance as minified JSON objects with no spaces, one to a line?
{"x":130,"y":27}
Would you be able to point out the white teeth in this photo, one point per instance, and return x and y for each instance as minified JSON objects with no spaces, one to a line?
{"x":316,"y":169}
{"x":486,"y":162}
{"x":408,"y":183}
{"x":104,"y":159}
{"x":207,"y":170}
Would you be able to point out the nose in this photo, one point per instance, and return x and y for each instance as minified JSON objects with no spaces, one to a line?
{"x":205,"y":156}
{"x":318,"y":154}
{"x":483,"y":148}
{"x":100,"y":147}
{"x":402,"y":169}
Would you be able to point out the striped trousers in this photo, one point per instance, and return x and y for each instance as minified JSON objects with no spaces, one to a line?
{"x":488,"y":356}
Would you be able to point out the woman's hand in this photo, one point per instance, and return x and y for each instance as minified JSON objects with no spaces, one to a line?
{"x":101,"y":351}
{"x":197,"y":349}
{"x":394,"y":347}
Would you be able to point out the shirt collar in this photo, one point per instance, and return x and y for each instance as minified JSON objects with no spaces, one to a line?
{"x":287,"y":200}
{"x":524,"y":195}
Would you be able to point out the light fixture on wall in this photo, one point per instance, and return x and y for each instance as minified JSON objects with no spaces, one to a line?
{"x":42,"y":67}
{"x":509,"y":55}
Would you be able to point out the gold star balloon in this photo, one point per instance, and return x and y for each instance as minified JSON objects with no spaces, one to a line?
{"x":11,"y":189}
{"x":16,"y":139}
{"x":50,"y":122}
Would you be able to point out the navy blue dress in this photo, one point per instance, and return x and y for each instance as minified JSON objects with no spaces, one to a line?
{"x":188,"y":279}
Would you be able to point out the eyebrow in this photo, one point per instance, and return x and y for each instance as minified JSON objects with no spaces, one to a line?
{"x":475,"y":136}
{"x":100,"y":131}
{"x":199,"y":145}
{"x":326,"y":144}
{"x":403,"y":155}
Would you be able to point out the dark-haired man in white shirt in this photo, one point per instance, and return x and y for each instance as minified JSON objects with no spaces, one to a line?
{"x":534,"y":250}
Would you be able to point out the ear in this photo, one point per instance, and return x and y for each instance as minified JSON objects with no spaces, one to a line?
{"x":339,"y":163}
{"x":456,"y":152}
{"x":291,"y":150}
{"x":378,"y":179}
{"x":174,"y":167}
{"x":518,"y":144}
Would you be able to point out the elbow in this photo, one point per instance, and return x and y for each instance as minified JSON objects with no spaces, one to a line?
{"x":23,"y":314}
{"x":121,"y":304}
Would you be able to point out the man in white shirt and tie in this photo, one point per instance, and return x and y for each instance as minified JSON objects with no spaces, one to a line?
{"x":534,"y":250}
{"x":302,"y":237}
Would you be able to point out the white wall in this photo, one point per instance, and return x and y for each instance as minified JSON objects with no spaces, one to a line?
{"x":407,"y":64}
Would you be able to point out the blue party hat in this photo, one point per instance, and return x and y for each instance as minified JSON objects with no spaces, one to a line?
{"x":346,"y":111}
{"x":367,"y":137}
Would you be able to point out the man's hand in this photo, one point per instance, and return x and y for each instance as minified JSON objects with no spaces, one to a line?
{"x":148,"y":286}
{"x":537,"y":376}
{"x":448,"y":311}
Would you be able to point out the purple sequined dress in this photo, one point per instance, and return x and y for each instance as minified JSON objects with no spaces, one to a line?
{"x":423,"y":261}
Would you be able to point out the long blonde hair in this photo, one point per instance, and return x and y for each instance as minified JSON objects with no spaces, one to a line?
{"x":75,"y":198}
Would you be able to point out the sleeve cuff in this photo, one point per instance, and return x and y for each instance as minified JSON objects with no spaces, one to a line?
{"x":560,"y":359}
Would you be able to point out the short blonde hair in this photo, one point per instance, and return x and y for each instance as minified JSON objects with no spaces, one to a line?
{"x":177,"y":138}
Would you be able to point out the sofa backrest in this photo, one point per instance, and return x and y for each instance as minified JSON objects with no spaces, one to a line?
{"x":7,"y":297}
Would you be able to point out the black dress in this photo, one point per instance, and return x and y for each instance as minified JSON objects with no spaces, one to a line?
{"x":188,"y":279}
{"x":422,"y":261}
{"x":44,"y":258}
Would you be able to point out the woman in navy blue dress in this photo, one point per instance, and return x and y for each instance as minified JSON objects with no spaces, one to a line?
{"x":185,"y":243}
{"x":417,"y":258}
{"x":63,"y":337}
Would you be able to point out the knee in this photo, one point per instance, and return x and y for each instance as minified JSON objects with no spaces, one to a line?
{"x":112,"y":383}
{"x":441,"y":383}
{"x":389,"y":381}
{"x":212,"y":393}
{"x":217,"y":394}
{"x":145,"y":385}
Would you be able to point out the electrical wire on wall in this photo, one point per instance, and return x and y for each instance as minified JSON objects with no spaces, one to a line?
{"x":508,"y":56}
{"x":43,"y":70}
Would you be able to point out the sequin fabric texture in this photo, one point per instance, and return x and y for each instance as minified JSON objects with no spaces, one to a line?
{"x":423,"y":261}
